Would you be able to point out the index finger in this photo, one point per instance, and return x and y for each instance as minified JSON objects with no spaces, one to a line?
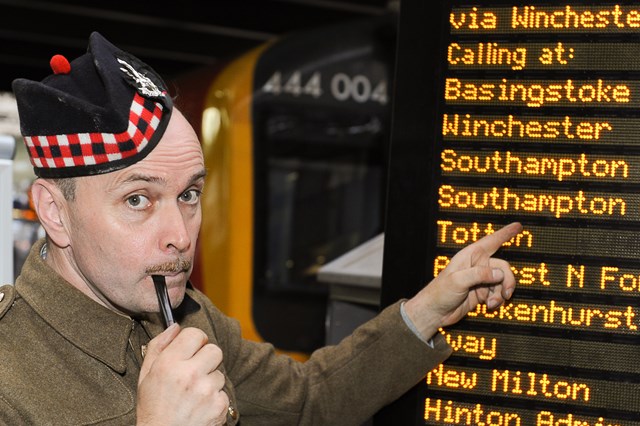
{"x":492,"y":242}
{"x":186,"y":344}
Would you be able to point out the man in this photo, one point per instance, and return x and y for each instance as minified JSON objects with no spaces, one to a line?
{"x":120,"y":177}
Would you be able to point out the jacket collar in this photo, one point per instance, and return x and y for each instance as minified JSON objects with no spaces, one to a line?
{"x":93,"y":328}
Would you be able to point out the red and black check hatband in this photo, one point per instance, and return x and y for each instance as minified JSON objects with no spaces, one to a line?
{"x":90,"y":149}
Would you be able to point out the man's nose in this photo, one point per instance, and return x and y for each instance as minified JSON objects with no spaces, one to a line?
{"x":174,"y":229}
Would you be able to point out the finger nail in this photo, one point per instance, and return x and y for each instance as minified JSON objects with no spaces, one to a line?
{"x":508,"y":293}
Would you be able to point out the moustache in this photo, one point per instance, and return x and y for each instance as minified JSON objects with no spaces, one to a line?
{"x":178,"y":265}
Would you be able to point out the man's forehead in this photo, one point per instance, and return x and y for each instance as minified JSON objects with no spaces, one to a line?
{"x":176,"y":160}
{"x":156,"y":177}
{"x":135,"y":177}
{"x":163,"y":177}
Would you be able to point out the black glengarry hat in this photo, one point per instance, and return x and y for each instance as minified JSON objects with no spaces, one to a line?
{"x":102,"y":112}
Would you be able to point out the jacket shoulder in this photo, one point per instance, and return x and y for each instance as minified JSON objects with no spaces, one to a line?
{"x":7,"y":296}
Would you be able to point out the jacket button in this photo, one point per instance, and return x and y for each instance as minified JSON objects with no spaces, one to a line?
{"x":233,"y":413}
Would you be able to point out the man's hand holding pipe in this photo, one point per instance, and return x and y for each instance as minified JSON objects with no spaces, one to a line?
{"x":180,"y":382}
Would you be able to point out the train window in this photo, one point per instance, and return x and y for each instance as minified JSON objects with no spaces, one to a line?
{"x":320,"y":123}
{"x":323,"y":195}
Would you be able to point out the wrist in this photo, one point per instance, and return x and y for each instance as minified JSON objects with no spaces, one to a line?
{"x":425,"y":321}
{"x":423,"y":333}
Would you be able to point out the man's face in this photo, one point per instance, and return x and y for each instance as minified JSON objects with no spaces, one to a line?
{"x":141,"y":220}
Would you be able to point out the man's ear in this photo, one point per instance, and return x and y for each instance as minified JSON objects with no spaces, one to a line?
{"x":50,"y":206}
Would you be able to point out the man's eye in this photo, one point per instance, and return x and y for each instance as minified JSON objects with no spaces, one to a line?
{"x":138,"y":202}
{"x":191,"y":196}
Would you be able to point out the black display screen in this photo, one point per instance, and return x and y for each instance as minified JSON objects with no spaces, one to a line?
{"x":514,"y":111}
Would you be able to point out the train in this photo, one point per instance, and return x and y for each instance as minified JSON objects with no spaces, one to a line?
{"x":295,"y":136}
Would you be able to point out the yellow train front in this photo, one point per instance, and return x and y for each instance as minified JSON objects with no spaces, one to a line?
{"x":295,"y":137}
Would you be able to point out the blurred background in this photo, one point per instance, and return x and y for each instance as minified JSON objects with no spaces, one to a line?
{"x":291,"y":100}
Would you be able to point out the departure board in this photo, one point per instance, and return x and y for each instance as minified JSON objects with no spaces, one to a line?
{"x":529,"y":112}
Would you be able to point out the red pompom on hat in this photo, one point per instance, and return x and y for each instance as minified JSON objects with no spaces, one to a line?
{"x":60,"y":65}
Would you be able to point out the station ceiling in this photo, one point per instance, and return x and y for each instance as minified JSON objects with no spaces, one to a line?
{"x":174,"y":37}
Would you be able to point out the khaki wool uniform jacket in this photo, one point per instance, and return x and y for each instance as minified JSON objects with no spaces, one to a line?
{"x":66,"y":360}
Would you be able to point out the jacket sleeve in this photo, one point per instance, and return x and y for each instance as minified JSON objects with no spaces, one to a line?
{"x":343,"y":384}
